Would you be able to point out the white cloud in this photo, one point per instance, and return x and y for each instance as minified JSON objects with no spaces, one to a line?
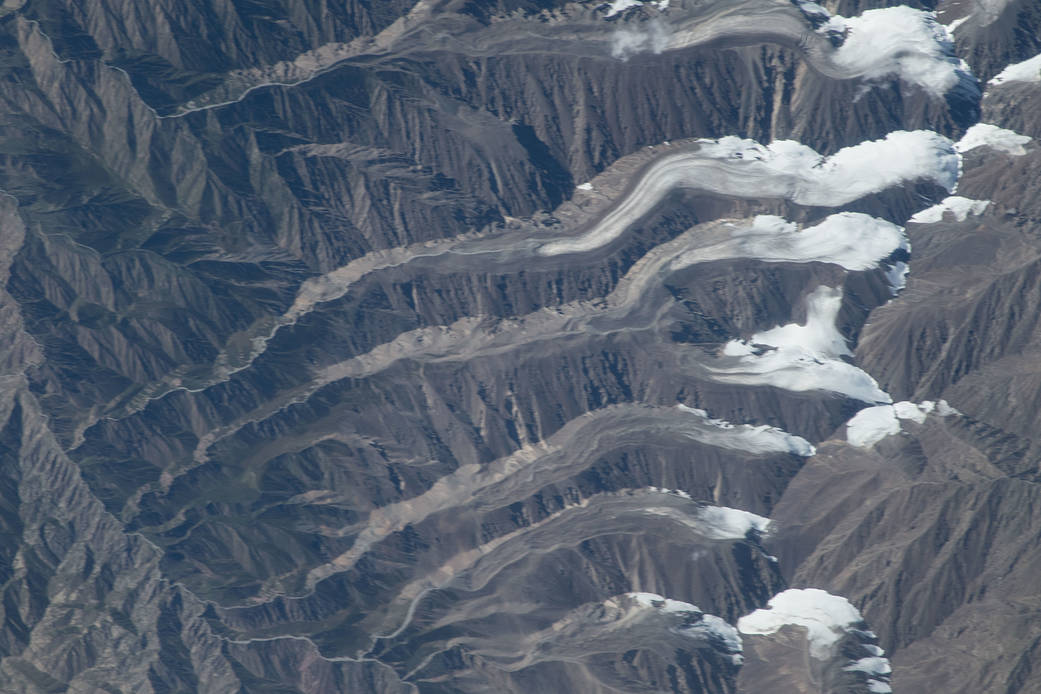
{"x":650,"y":37}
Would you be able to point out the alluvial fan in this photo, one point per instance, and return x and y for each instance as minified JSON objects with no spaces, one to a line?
{"x":512,"y":346}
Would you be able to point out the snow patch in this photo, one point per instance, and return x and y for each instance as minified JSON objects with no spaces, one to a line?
{"x":674,"y":492}
{"x":825,"y":617}
{"x":872,"y":665}
{"x":725,"y":632}
{"x":916,"y":413}
{"x":897,"y":276}
{"x":697,"y":624}
{"x":872,"y":424}
{"x":877,"y":668}
{"x":816,"y":12}
{"x":620,"y":6}
{"x":899,"y":42}
{"x":657,"y":602}
{"x":958,"y":206}
{"x":715,"y":522}
{"x":802,"y":357}
{"x":987,"y":135}
{"x":730,"y":523}
{"x":1027,"y":71}
{"x":819,"y":335}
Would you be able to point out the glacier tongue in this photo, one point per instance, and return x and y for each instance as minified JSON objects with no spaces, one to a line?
{"x":744,"y":168}
{"x":853,"y":240}
{"x":827,"y":619}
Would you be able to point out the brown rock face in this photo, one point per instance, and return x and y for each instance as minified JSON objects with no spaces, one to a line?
{"x":467,"y":346}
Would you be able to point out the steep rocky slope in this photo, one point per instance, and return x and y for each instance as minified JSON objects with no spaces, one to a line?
{"x":510,"y":346}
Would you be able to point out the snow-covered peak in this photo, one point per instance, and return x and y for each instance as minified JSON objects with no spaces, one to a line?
{"x":824,"y":616}
{"x":872,"y":424}
{"x":956,"y":205}
{"x":914,"y":412}
{"x":693,"y":622}
{"x":827,"y":619}
{"x":987,"y":135}
{"x":1027,"y":71}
